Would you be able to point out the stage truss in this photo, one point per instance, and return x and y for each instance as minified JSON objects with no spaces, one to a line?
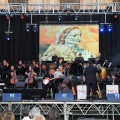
{"x":62,"y":9}
{"x":79,"y":108}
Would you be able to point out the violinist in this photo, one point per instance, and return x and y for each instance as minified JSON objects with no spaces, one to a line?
{"x":13,"y":76}
{"x":20,"y":68}
{"x":52,"y":84}
{"x":30,"y":77}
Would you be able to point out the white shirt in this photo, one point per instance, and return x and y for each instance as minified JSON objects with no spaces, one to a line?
{"x":26,"y":118}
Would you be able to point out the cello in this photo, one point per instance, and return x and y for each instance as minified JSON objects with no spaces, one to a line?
{"x":13,"y":79}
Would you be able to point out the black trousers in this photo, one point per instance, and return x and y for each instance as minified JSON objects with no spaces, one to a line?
{"x":52,"y":85}
{"x":89,"y":87}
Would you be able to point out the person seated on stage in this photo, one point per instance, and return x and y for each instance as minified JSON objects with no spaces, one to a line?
{"x":55,"y":58}
{"x":97,"y":61}
{"x":100,"y":57}
{"x":5,"y":67}
{"x":30,"y":77}
{"x":49,"y":82}
{"x":13,"y":76}
{"x":60,"y":62}
{"x":20,"y":68}
{"x":114,"y":80}
{"x":26,"y":114}
{"x":36,"y":69}
{"x":53,"y":114}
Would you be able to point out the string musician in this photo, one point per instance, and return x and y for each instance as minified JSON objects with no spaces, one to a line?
{"x":30,"y":77}
{"x":13,"y":76}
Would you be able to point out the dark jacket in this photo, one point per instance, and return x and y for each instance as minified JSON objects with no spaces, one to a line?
{"x":90,"y":74}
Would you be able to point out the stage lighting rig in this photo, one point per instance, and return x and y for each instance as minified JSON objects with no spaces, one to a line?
{"x":59,"y":17}
{"x":76,"y":17}
{"x":101,"y":28}
{"x":34,"y":26}
{"x":109,"y":27}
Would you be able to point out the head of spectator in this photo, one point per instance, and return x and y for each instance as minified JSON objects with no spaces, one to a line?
{"x":53,"y":114}
{"x":26,"y":113}
{"x":8,"y":116}
{"x":39,"y":117}
{"x":35,"y":111}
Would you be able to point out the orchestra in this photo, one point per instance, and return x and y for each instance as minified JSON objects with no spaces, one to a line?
{"x":59,"y":73}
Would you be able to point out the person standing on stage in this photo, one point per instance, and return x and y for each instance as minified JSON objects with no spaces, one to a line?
{"x":49,"y":76}
{"x":90,"y":78}
{"x":55,"y":58}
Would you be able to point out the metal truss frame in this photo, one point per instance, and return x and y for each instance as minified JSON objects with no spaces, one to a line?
{"x":60,"y":9}
{"x":66,"y":109}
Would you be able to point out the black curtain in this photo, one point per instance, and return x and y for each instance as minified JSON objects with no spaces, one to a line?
{"x":25,"y":45}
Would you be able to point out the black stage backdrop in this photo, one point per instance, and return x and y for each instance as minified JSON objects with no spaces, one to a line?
{"x":25,"y":45}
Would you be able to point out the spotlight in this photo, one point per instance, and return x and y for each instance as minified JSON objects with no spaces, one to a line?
{"x":27,"y":28}
{"x":76,"y":17}
{"x":115,"y":16}
{"x":35,"y":28}
{"x":22,"y":16}
{"x":101,"y":28}
{"x":46,"y":19}
{"x":7,"y":36}
{"x":109,"y":28}
{"x":7,"y":16}
{"x":59,"y":17}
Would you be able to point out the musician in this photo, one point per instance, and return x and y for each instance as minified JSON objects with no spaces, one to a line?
{"x":100,"y":57}
{"x":60,"y":62}
{"x":80,"y":59}
{"x":52,"y":84}
{"x":90,"y":78}
{"x":30,"y":77}
{"x":20,"y":68}
{"x":13,"y":76}
{"x":114,"y":80}
{"x":6,"y":66}
{"x":55,"y":58}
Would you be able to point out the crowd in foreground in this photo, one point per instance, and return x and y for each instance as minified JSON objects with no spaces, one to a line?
{"x":33,"y":114}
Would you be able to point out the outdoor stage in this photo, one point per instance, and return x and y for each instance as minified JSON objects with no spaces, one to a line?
{"x":69,"y":110}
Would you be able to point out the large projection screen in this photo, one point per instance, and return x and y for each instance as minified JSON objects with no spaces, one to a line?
{"x":68,"y":41}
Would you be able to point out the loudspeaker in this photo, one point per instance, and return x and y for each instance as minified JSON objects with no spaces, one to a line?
{"x":11,"y":97}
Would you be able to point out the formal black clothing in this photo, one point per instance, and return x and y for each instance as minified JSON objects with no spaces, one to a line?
{"x":79,"y":60}
{"x":52,"y":84}
{"x":54,"y":59}
{"x":114,"y":82}
{"x":90,"y":78}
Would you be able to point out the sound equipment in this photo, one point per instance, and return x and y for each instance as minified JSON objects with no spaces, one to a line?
{"x":11,"y":97}
{"x":113,"y":98}
{"x":20,"y":84}
{"x":64,"y":97}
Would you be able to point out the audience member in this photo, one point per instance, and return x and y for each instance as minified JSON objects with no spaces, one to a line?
{"x":26,"y":113}
{"x":8,"y":116}
{"x":53,"y":114}
{"x":40,"y":117}
{"x":35,"y":111}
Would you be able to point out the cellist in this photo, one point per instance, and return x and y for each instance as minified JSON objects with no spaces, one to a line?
{"x":30,"y":76}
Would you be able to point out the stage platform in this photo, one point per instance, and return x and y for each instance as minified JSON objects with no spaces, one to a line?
{"x":67,"y":110}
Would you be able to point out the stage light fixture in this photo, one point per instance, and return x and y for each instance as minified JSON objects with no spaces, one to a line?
{"x":7,"y":16}
{"x":101,"y":28}
{"x":59,"y":17}
{"x":76,"y":17}
{"x":115,"y":16}
{"x":27,"y":28}
{"x":7,"y":36}
{"x":35,"y":28}
{"x":22,"y":16}
{"x":109,"y":27}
